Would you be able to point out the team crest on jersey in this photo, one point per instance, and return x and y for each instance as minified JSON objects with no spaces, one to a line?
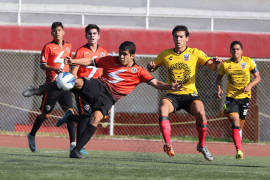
{"x":102,"y":54}
{"x":170,"y":58}
{"x":186,"y":57}
{"x":68,"y":50}
{"x":243,"y":65}
{"x":134,"y":70}
{"x":87,"y":107}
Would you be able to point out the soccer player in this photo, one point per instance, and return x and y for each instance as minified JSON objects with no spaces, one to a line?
{"x":120,"y":76}
{"x":237,"y":69}
{"x":52,"y":61}
{"x":89,"y":50}
{"x":181,"y":63}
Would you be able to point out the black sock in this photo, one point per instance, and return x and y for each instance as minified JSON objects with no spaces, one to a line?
{"x":37,"y":123}
{"x":71,"y":131}
{"x":82,"y":126}
{"x":86,"y":136}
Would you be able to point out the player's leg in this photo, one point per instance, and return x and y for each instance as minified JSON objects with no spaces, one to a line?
{"x":66,"y":104}
{"x":48,"y":102}
{"x":40,"y":90}
{"x":244,"y":105}
{"x":87,"y":134}
{"x":197,"y":110}
{"x":234,"y":117}
{"x":31,"y":137}
{"x":165,"y":127}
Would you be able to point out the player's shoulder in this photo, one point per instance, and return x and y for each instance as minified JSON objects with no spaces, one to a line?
{"x":194,"y":50}
{"x":82,"y":48}
{"x":101,"y":49}
{"x":246,"y":59}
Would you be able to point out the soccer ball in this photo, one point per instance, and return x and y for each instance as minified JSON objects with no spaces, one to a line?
{"x":65,"y":81}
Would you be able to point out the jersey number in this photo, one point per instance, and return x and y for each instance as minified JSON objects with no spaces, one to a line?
{"x":58,"y":59}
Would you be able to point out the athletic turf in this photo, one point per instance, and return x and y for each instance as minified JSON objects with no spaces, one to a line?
{"x":54,"y":164}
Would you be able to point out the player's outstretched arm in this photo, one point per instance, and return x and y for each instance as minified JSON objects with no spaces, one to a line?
{"x":82,"y":61}
{"x":214,"y":63}
{"x":175,"y":86}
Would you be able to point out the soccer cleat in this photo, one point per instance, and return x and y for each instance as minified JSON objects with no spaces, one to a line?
{"x":64,"y":119}
{"x":239,"y":155}
{"x":75,"y":154}
{"x":72,"y":146}
{"x":223,"y":112}
{"x":83,"y":152}
{"x":31,"y":142}
{"x":206,"y":153}
{"x":31,"y":92}
{"x":169,"y":150}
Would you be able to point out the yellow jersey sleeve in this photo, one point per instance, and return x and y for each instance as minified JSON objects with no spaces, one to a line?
{"x":252,"y":65}
{"x":202,"y":57}
{"x":221,"y":70}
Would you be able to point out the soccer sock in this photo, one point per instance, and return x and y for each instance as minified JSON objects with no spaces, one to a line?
{"x":236,"y":137}
{"x":81,"y":126}
{"x":86,"y":136}
{"x":37,"y":123}
{"x":202,"y":129}
{"x":71,"y":130}
{"x":165,"y":128}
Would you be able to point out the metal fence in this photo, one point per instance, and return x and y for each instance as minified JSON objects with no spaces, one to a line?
{"x":136,"y":114}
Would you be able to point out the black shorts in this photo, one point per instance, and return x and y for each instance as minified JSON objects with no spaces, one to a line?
{"x":181,"y":101}
{"x":237,"y":105}
{"x":64,"y":98}
{"x":95,"y":93}
{"x":83,"y":106}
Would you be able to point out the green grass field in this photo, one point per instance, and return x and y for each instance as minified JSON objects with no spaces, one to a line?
{"x":18,"y":164}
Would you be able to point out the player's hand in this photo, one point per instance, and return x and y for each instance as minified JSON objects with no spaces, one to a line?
{"x":58,"y":70}
{"x":151,"y":66}
{"x":219,"y":93}
{"x":247,"y":88}
{"x":68,"y":60}
{"x":176,"y":85}
{"x":217,"y":60}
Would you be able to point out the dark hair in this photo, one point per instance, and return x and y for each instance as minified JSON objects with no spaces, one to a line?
{"x":180,"y":28}
{"x":128,"y":45}
{"x":91,"y":26}
{"x":57,"y":24}
{"x":236,"y":42}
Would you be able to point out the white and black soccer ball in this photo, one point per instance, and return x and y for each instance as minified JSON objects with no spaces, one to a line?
{"x":65,"y":81}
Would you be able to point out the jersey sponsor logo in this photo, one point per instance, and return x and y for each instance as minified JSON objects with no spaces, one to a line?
{"x":238,"y":78}
{"x":134,"y":70}
{"x":186,"y":57}
{"x":243,"y":65}
{"x":170,"y":58}
{"x":115,"y":76}
{"x":180,"y":72}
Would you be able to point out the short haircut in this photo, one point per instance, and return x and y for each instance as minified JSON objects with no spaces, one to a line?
{"x":180,"y":28}
{"x":91,"y":26}
{"x":57,"y":24}
{"x":236,"y":42}
{"x":128,"y":45}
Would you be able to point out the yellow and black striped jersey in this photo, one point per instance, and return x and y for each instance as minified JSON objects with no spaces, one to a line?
{"x":182,"y":67}
{"x":238,"y":76}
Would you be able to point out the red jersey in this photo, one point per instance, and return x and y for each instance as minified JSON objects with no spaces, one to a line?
{"x":119,"y":79}
{"x":90,"y":71}
{"x":53,"y":55}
